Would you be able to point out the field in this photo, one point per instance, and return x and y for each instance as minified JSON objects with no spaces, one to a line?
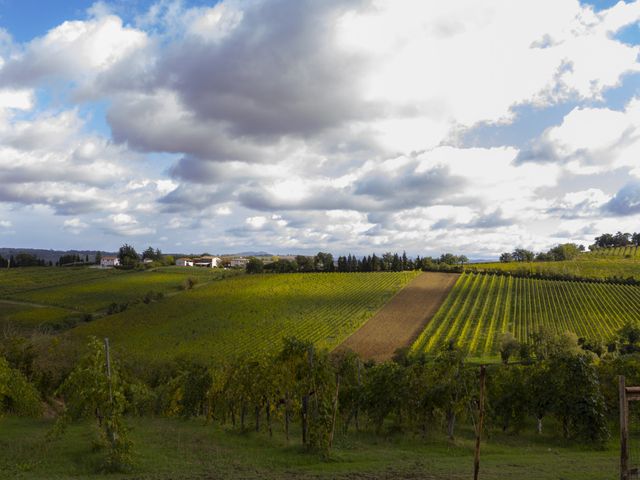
{"x":250,"y":314}
{"x":586,"y":265}
{"x":401,"y":320}
{"x":16,"y":280}
{"x":191,"y":450}
{"x":48,"y":297}
{"x":481,"y":307}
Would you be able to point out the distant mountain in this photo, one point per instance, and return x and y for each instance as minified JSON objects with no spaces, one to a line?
{"x":51,"y":255}
{"x":249,"y":254}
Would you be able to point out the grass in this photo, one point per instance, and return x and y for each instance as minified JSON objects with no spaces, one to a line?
{"x":24,"y":318}
{"x":189,"y":450}
{"x":16,"y":280}
{"x":482,"y":306}
{"x":249,"y":314}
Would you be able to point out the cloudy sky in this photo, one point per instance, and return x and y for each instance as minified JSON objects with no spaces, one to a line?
{"x":294,"y":126}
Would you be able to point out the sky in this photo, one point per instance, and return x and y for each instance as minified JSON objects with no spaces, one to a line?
{"x":294,"y":126}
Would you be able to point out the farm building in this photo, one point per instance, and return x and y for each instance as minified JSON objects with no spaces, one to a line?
{"x":109,"y":261}
{"x":239,"y":262}
{"x":184,"y":262}
{"x":210,"y":262}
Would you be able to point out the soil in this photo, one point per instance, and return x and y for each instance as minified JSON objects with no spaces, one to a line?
{"x":400,"y":321}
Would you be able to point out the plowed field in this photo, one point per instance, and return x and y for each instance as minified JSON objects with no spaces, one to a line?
{"x":403,"y":318}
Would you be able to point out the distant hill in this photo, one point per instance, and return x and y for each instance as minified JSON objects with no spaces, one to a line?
{"x":51,"y":255}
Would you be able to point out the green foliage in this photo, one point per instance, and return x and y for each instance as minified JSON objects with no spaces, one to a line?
{"x":17,"y":395}
{"x":128,"y":256}
{"x":255,"y":265}
{"x":89,"y":392}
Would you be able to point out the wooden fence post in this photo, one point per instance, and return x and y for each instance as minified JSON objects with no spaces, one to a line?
{"x":624,"y":429}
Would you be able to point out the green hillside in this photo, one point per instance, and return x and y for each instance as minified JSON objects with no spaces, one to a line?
{"x":482,"y":306}
{"x":57,"y":298}
{"x":250,"y":314}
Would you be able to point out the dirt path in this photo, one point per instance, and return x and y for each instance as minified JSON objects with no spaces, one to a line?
{"x":31,"y":304}
{"x":401,"y":320}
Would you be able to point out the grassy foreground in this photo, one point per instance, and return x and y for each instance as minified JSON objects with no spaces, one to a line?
{"x":179,"y":449}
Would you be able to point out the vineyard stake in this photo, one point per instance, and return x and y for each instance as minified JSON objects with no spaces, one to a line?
{"x":108,"y":359}
{"x":476,"y":460}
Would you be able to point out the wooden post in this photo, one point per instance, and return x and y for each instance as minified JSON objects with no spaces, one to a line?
{"x":305,"y":419}
{"x":335,"y":410}
{"x":108,"y":358}
{"x":476,"y":460}
{"x":624,"y":429}
{"x":111,"y":434}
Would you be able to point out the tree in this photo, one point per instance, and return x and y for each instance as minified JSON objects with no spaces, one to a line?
{"x":523,"y":255}
{"x":93,"y":390}
{"x":508,"y":346}
{"x":128,"y":256}
{"x":254,"y":265}
{"x":324,"y":262}
{"x":506,"y":257}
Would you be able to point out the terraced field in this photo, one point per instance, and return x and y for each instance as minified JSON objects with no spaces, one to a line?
{"x":481,"y":307}
{"x":249,"y":314}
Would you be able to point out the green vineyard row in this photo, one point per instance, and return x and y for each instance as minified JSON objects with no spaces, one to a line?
{"x":481,"y":307}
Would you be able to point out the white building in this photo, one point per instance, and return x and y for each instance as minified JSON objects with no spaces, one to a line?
{"x":184,"y":262}
{"x":109,"y":261}
{"x":239,"y":262}
{"x":210,"y":262}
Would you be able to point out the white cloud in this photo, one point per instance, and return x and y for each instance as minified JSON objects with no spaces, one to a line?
{"x":74,"y":225}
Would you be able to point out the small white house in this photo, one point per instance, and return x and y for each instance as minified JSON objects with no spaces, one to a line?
{"x":109,"y":261}
{"x":184,"y":262}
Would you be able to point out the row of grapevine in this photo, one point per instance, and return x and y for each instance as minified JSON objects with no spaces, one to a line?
{"x":481,"y":307}
{"x":630,"y":251}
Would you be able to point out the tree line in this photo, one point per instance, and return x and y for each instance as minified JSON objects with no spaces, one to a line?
{"x":618,"y":239}
{"x":388,"y":262}
{"x":564,"y":251}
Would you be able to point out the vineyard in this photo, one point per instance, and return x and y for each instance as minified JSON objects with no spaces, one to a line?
{"x":586,"y":265}
{"x":249,"y":315}
{"x":481,"y":307}
{"x":630,"y":251}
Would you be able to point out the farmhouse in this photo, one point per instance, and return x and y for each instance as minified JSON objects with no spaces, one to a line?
{"x":109,"y":261}
{"x":184,"y":262}
{"x":207,"y":261}
{"x":239,"y":262}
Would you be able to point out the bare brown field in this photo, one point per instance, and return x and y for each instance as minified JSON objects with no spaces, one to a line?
{"x":400,"y":321}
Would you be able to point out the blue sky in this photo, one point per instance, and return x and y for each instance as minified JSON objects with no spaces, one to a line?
{"x":298,"y":126}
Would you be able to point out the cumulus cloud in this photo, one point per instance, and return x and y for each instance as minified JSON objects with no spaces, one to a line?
{"x":331,"y":124}
{"x":626,"y":201}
